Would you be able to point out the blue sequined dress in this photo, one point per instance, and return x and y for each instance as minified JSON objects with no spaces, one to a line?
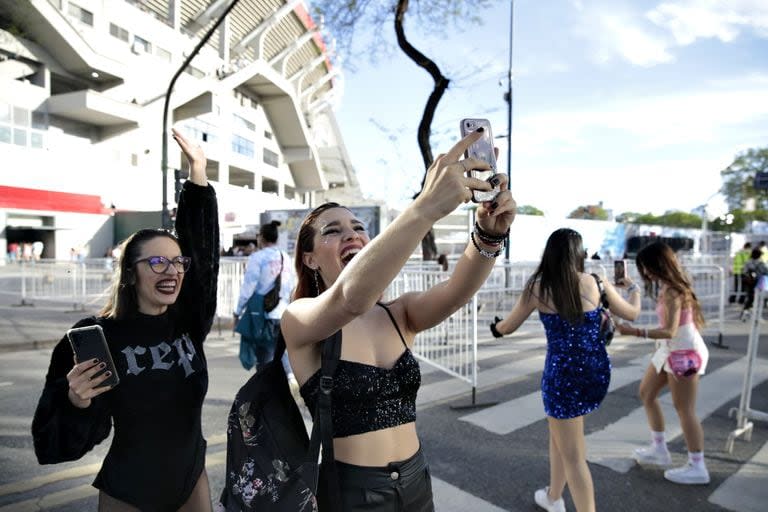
{"x":577,"y":369}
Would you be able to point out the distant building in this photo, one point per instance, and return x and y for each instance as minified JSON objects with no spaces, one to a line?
{"x":82,"y":88}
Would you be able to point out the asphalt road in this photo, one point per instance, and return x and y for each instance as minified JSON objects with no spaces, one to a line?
{"x":482,"y":459}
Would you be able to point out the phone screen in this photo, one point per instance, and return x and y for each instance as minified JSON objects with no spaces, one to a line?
{"x":90,"y":343}
{"x":619,"y":270}
{"x":481,"y":150}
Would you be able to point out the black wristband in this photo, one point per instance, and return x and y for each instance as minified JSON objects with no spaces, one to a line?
{"x":490,"y":238}
{"x":494,"y":331}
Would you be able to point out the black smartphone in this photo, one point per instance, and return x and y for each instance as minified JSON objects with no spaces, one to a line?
{"x":90,"y":343}
{"x":619,"y":271}
{"x":482,"y":150}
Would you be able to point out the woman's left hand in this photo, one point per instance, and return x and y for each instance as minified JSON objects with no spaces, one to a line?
{"x":496,"y":216}
{"x":195,"y":157}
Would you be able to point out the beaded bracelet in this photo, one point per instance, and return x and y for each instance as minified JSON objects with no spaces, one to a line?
{"x":483,"y":252}
{"x":490,"y":238}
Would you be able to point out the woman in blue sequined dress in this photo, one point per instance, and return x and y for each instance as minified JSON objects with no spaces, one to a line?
{"x":577,"y":369}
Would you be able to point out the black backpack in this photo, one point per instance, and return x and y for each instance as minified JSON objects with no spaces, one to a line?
{"x":607,"y":326}
{"x":272,"y":465}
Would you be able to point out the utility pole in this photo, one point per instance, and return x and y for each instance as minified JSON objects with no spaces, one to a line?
{"x":508,"y":97}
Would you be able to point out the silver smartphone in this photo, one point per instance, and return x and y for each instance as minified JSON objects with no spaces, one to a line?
{"x":482,"y":150}
{"x":90,"y":343}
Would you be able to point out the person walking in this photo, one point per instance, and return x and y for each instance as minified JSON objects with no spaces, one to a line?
{"x":678,"y":334}
{"x":577,"y":370}
{"x":261,"y":273}
{"x":754,"y":269}
{"x":739,"y":259}
{"x":159,"y":312}
{"x":341,"y":277}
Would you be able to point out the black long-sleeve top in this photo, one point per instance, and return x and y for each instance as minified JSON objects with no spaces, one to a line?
{"x":158,"y":451}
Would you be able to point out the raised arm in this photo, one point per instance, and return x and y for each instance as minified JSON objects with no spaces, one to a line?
{"x":621,"y":307}
{"x":363,"y":281}
{"x":430,"y":307}
{"x":197,"y":226}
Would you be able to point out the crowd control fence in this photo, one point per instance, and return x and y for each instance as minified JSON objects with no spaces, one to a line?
{"x":451,"y":346}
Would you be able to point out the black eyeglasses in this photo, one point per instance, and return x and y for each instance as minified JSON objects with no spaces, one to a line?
{"x":160,"y":264}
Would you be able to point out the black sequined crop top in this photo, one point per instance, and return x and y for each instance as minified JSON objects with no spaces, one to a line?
{"x":366,"y":398}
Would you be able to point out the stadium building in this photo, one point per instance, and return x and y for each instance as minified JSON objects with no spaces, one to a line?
{"x":82,"y":91}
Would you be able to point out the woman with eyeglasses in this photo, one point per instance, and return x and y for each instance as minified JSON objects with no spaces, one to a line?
{"x":158,"y":313}
{"x":577,"y":370}
{"x":680,"y":324}
{"x":342,"y":276}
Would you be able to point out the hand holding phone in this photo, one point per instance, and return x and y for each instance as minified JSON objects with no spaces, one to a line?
{"x":88,"y":344}
{"x":482,"y":150}
{"x":619,"y":271}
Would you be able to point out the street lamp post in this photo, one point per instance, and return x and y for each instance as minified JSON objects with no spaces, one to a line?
{"x":508,"y":97}
{"x":165,"y":214}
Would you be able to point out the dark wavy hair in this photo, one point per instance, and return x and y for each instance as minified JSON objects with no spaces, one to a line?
{"x":122,"y":302}
{"x":558,"y":274}
{"x":305,"y":278}
{"x":269,"y":231}
{"x":657,"y":262}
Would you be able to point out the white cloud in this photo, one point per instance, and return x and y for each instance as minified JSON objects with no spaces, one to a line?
{"x":648,"y":39}
{"x":618,"y":35}
{"x":689,"y":20}
{"x":652,"y":122}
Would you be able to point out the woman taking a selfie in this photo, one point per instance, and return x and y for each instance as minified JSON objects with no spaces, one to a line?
{"x":577,"y":370}
{"x":678,"y":334}
{"x":159,"y":311}
{"x":341,"y":277}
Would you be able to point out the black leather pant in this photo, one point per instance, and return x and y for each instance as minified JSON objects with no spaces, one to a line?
{"x":403,"y":486}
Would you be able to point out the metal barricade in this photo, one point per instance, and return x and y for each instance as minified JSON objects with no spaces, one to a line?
{"x":80,"y":283}
{"x":744,"y":413}
{"x":231,"y":275}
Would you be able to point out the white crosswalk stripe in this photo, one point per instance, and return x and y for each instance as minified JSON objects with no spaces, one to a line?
{"x":518,"y":413}
{"x":613,"y":445}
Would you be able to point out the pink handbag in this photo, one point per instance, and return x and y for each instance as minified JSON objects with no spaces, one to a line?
{"x":684,"y":363}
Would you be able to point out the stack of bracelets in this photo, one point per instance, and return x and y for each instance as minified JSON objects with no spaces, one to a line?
{"x":489,"y":239}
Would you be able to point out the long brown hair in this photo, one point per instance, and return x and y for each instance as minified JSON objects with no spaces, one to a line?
{"x":308,"y":284}
{"x":657,"y":261}
{"x":122,"y":302}
{"x":558,"y":274}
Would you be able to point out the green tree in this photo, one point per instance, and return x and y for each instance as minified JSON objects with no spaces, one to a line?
{"x":591,"y":212}
{"x":344,"y":17}
{"x":670,"y":218}
{"x":738,"y":187}
{"x":527,"y":209}
{"x":628,"y":217}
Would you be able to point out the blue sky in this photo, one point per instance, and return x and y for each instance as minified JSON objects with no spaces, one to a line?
{"x":638,"y":104}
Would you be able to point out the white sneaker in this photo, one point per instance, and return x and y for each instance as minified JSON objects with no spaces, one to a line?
{"x":653,"y":456}
{"x":541,"y":497}
{"x":688,"y":474}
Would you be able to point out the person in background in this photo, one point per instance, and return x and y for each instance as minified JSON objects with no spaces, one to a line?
{"x":753,"y":270}
{"x":261,"y":271}
{"x":342,"y":277}
{"x":739,"y":259}
{"x":159,"y":312}
{"x":680,"y":323}
{"x":577,"y":370}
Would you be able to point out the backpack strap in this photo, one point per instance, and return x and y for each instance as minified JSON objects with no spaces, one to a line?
{"x":322,"y":428}
{"x":601,"y":289}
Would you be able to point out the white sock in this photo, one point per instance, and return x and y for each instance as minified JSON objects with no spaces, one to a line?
{"x":658,"y":441}
{"x":696,"y":459}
